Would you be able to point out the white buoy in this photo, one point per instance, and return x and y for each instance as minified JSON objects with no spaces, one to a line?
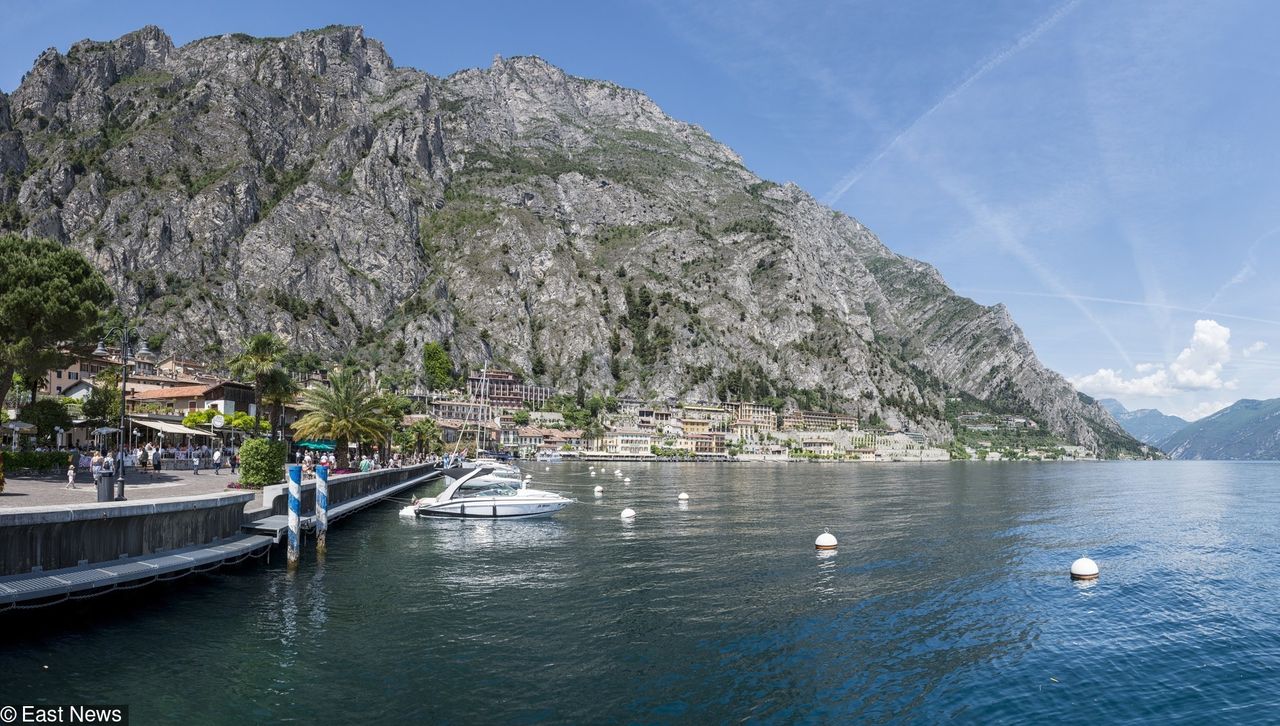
{"x":617,"y":472}
{"x":683,"y":497}
{"x":628,"y":513}
{"x":528,"y":476}
{"x":546,"y":468}
{"x":627,"y":480}
{"x":825,"y":541}
{"x":593,"y":473}
{"x":592,"y":468}
{"x":1084,"y":569}
{"x":599,"y":490}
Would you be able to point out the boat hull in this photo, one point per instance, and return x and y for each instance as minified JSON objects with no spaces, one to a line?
{"x":491,"y":509}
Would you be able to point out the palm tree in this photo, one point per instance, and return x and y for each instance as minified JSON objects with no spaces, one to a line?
{"x":279,"y":390}
{"x":256,"y":361}
{"x":426,"y":435}
{"x":348,"y":410}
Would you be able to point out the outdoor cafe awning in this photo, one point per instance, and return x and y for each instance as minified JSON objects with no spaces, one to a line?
{"x":315,"y":445}
{"x":170,"y":428}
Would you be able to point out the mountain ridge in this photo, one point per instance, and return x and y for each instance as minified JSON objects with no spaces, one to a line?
{"x":1246,"y":430}
{"x":564,"y":227}
{"x":1148,"y":425}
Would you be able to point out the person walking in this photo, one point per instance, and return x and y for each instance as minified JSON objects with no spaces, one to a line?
{"x":195,"y":460}
{"x":155,"y":460}
{"x":95,"y":467}
{"x":234,"y":460}
{"x":109,"y":467}
{"x":217,"y":461}
{"x":71,"y":477}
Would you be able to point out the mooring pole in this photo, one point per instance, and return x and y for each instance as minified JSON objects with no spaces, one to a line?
{"x":322,"y":507}
{"x":295,"y":505}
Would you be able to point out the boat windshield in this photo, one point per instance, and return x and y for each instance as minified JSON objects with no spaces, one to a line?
{"x":486,"y":489}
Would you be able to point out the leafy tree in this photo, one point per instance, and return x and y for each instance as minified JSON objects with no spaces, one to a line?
{"x":103,"y":403}
{"x":46,"y":415}
{"x":437,"y":366}
{"x":348,"y":410}
{"x":242,"y":421}
{"x":521,"y":417}
{"x":50,"y":296}
{"x":203,"y":417}
{"x":279,"y":390}
{"x":256,"y":362}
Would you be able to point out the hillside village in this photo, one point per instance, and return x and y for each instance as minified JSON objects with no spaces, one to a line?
{"x":499,"y":411}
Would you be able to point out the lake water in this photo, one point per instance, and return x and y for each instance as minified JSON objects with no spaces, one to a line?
{"x":948,"y":599}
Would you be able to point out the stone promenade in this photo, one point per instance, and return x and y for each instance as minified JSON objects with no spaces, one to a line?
{"x":40,"y":492}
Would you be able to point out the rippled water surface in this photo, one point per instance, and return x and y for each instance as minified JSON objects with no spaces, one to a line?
{"x":948,"y":599}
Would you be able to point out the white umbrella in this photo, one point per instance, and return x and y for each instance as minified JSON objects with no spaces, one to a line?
{"x":15,"y":427}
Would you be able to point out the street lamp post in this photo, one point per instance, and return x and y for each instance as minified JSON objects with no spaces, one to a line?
{"x":127,"y":333}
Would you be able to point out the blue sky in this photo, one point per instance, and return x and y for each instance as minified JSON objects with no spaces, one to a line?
{"x":1106,"y":169}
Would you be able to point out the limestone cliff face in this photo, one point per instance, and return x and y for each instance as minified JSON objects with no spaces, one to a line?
{"x":560,"y":226}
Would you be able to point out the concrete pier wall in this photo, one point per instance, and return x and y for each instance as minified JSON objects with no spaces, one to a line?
{"x":53,"y":538}
{"x":342,"y":488}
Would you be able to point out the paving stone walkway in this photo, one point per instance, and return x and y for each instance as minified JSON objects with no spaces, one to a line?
{"x":40,"y":492}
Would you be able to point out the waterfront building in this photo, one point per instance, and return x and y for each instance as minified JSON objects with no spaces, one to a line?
{"x":703,"y":444}
{"x":626,"y":442}
{"x":696,"y":426}
{"x":484,"y":436}
{"x":817,"y":421}
{"x":559,"y":440}
{"x":461,"y":410}
{"x":719,"y":416}
{"x":226,"y":397}
{"x":504,"y":389}
{"x":819,"y":446}
{"x":761,"y":417}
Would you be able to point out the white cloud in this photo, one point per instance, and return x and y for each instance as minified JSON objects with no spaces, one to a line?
{"x":1197,"y":368}
{"x":1254,"y":349}
{"x":1108,"y":382}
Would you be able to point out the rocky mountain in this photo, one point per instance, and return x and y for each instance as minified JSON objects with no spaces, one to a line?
{"x":1147,"y":425}
{"x":1246,"y":429}
{"x":560,"y":226}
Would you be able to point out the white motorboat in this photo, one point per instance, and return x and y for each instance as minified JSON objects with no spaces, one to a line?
{"x":480,"y":493}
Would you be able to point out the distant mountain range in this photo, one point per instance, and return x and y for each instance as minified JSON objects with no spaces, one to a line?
{"x":1146,"y":424}
{"x":1247,"y":429}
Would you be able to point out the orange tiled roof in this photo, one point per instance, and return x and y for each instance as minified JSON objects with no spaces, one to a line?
{"x":175,"y":392}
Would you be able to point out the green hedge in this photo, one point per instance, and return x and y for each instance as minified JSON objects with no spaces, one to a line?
{"x":35,"y":460}
{"x":262,"y":463}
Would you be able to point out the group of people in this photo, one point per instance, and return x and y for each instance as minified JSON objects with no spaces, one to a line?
{"x":365,"y":464}
{"x":101,"y":464}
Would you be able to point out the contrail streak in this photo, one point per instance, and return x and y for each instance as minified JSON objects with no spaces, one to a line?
{"x":845,"y":184}
{"x":1116,"y":301}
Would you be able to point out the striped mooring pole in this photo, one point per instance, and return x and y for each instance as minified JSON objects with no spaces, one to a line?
{"x":322,"y":507}
{"x":295,"y":505}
